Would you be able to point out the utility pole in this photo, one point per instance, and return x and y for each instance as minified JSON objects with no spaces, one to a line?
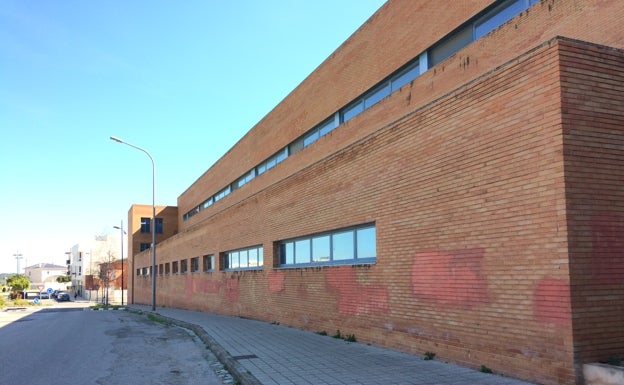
{"x":18,"y":256}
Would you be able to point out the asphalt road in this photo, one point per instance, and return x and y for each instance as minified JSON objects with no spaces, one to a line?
{"x":70,"y":345}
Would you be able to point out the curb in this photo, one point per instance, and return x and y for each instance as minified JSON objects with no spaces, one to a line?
{"x":232,"y":365}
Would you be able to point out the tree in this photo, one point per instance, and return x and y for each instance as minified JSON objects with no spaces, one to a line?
{"x":18,"y":282}
{"x":63,"y":278}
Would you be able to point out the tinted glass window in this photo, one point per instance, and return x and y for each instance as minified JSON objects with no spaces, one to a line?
{"x":342,"y":245}
{"x":320,"y":249}
{"x":302,"y":251}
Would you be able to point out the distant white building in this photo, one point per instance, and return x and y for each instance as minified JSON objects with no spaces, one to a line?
{"x":85,"y":259}
{"x":43,"y":276}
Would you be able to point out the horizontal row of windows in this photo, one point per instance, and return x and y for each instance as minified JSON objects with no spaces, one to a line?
{"x":466,"y":34}
{"x":344,"y":246}
{"x":182,"y":267}
{"x":356,"y":245}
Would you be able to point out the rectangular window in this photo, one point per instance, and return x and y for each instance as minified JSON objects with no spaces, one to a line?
{"x":352,"y":110}
{"x":159,"y":225}
{"x":321,"y":248}
{"x":376,"y":95}
{"x":161,"y":270}
{"x":208,"y":261}
{"x":404,"y":77}
{"x":499,"y":16}
{"x":295,"y":146}
{"x":287,"y":253}
{"x":342,"y":246}
{"x":145,"y":225}
{"x":310,"y":138}
{"x":350,"y":245}
{"x":326,"y":127}
{"x":302,"y":251}
{"x":144,"y":246}
{"x":184,"y":266}
{"x":195,"y":265}
{"x":250,"y":258}
{"x":450,"y":46}
{"x":174,"y":267}
{"x":167,"y":268}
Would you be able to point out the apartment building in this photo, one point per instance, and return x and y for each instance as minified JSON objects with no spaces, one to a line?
{"x":448,"y":180}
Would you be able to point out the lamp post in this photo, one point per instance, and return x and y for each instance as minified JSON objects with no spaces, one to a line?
{"x":153,"y":269}
{"x":122,"y":232}
{"x":18,"y":256}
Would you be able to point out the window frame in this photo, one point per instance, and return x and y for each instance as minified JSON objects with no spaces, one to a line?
{"x":289,"y":249}
{"x":228,"y":257}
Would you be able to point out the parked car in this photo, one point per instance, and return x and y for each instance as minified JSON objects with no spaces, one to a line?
{"x":55,"y":293}
{"x":44,"y":295}
{"x":62,"y":296}
{"x":31,"y":295}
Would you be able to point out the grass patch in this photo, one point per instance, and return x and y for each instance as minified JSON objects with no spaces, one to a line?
{"x":102,"y":306}
{"x":485,"y":369}
{"x":155,"y":318}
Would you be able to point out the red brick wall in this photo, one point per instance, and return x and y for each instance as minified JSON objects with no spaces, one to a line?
{"x":468,"y":198}
{"x":398,"y":32}
{"x":463,"y":173}
{"x":593,"y":116}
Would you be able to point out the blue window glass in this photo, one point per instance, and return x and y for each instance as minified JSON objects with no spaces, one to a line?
{"x":282,"y":155}
{"x":252,"y":258}
{"x":233,"y":260}
{"x":243,"y":260}
{"x":404,"y":77}
{"x":144,"y":246}
{"x":499,"y":17}
{"x":159,"y":225}
{"x":145,"y":225}
{"x":342,"y":246}
{"x":376,"y":96}
{"x":310,"y":138}
{"x":327,"y":127}
{"x":366,"y":243}
{"x":302,"y":251}
{"x":320,"y":249}
{"x":352,"y":111}
{"x":287,"y":254}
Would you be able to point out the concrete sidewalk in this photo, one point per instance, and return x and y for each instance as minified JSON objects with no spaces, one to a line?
{"x":263,"y":353}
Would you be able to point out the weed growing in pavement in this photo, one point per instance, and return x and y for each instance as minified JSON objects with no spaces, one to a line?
{"x":155,"y":318}
{"x":615,"y":360}
{"x":102,"y":306}
{"x":485,"y":369}
{"x":338,"y":335}
{"x":429,"y":356}
{"x":350,"y":338}
{"x":322,"y":333}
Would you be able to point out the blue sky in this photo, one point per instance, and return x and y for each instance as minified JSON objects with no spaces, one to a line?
{"x":184,"y":80}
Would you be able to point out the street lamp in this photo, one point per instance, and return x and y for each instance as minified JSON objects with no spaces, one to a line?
{"x":153,"y":270}
{"x":121,"y":230}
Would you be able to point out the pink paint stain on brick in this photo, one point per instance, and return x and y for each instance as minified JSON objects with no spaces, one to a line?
{"x":607,"y":248}
{"x":231,"y":290}
{"x":551,"y":301}
{"x":276,"y":281}
{"x":453,"y":278}
{"x":355,"y":298}
{"x":193,"y":286}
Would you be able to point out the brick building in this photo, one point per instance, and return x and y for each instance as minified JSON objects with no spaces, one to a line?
{"x":448,"y":180}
